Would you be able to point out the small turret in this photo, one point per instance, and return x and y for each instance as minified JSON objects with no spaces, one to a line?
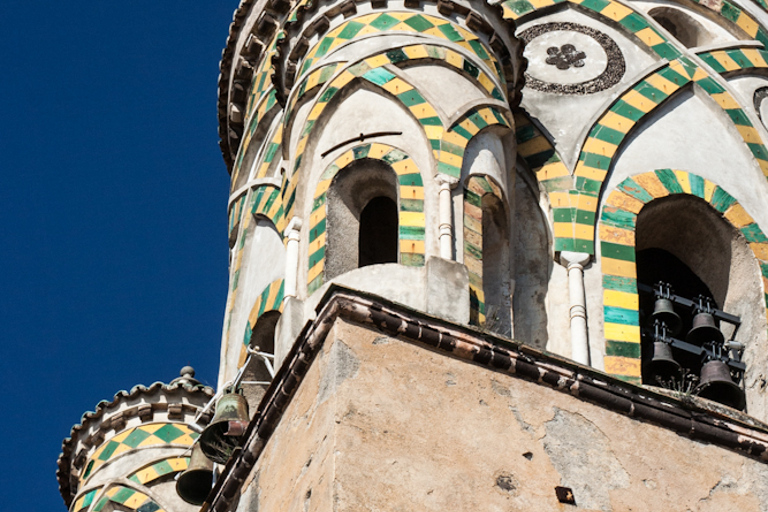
{"x":129,"y":450}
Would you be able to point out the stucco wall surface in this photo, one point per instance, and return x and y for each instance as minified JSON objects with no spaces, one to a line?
{"x":381,"y":424}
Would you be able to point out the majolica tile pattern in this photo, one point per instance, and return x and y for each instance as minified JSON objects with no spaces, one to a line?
{"x":130,"y":498}
{"x":617,"y":248}
{"x":474,"y":190}
{"x":270,"y":299}
{"x":151,"y":434}
{"x":152,"y":472}
{"x":411,"y":221}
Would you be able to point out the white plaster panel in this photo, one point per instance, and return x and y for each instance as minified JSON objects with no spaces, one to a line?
{"x":263,"y":262}
{"x":568,"y":118}
{"x":692,"y":133}
{"x":453,"y":91}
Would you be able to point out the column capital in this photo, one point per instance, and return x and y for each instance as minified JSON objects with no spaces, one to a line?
{"x":294,"y":225}
{"x":570,"y":259}
{"x":446,"y":180}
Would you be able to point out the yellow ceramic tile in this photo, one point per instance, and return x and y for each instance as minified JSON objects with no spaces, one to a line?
{"x":616,"y":122}
{"x":585,"y":171}
{"x":405,"y":167}
{"x":586,"y":203}
{"x":455,"y":139}
{"x":416,"y":51}
{"x":621,"y":332}
{"x":412,"y":246}
{"x":725,"y":100}
{"x":412,"y":219}
{"x":617,"y":235}
{"x":561,"y":199}
{"x":563,"y":230}
{"x":146,"y":475}
{"x":728,"y":63}
{"x":625,"y":366}
{"x":621,"y":299}
{"x":423,"y":111}
{"x":649,"y":36}
{"x":135,"y":501}
{"x":397,"y":86}
{"x":345,"y":159}
{"x":650,"y":182}
{"x":377,"y":60}
{"x":763,"y":165}
{"x":616,"y":11}
{"x":378,"y":150}
{"x":747,"y":24}
{"x":639,"y":101}
{"x":755,"y":57}
{"x":684,"y":180}
{"x":552,"y":171}
{"x":738,"y":216}
{"x":619,"y":268}
{"x":317,"y":243}
{"x":583,"y":231}
{"x":749,"y":134}
{"x":624,"y":201}
{"x":600,"y":147}
{"x":760,"y":250}
{"x":486,"y":82}
{"x":436,"y":132}
{"x":315,"y":271}
{"x":538,"y":4}
{"x":407,"y":192}
{"x":709,"y":190}
{"x":178,"y":463}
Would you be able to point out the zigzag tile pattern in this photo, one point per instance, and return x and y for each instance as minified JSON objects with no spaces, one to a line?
{"x":411,"y":220}
{"x":270,"y":299}
{"x":474,"y":190}
{"x":617,"y":249}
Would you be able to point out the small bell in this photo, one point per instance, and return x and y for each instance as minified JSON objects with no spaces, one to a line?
{"x":716,"y":384}
{"x":704,"y":330}
{"x":225,"y":432}
{"x":194,"y":484}
{"x":663,"y":367}
{"x":664,"y":311}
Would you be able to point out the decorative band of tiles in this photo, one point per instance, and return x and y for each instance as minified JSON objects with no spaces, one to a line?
{"x":264,"y":107}
{"x":270,"y":152}
{"x":151,"y":434}
{"x":266,"y":203}
{"x":129,"y":498}
{"x":403,"y":21}
{"x":448,"y":147}
{"x":83,"y":502}
{"x":411,"y":221}
{"x":540,"y":155}
{"x":152,"y":472}
{"x":474,"y":189}
{"x":262,"y":78}
{"x":270,"y":299}
{"x":617,"y":248}
{"x":235,"y":214}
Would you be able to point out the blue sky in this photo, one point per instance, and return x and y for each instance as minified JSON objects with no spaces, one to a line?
{"x":113,"y":247}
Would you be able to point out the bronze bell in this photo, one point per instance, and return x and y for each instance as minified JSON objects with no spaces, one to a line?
{"x":663,"y":366}
{"x":704,"y":330}
{"x":664,"y":311}
{"x":224,"y":433}
{"x":194,"y":484}
{"x":716,"y":384}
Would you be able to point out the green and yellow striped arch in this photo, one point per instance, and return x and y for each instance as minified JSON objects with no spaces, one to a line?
{"x":475,"y":188}
{"x":270,"y":299}
{"x":617,"y":248}
{"x":411,"y":221}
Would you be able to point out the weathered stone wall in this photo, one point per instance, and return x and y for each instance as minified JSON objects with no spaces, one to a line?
{"x":381,"y":424}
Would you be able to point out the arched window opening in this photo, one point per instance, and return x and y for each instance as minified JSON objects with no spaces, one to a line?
{"x":496,"y":272}
{"x":683,"y":255}
{"x":378,"y":237}
{"x":362,"y":218}
{"x":681,"y":26}
{"x":260,"y":369}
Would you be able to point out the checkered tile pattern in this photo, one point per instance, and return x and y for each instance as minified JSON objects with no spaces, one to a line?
{"x":83,"y":502}
{"x":151,"y":434}
{"x":476,"y":187}
{"x":411,"y":216}
{"x":128,"y":498}
{"x":152,"y":472}
{"x":265,"y":106}
{"x":617,"y":249}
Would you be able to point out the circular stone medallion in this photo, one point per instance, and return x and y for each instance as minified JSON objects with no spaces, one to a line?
{"x":568,"y":58}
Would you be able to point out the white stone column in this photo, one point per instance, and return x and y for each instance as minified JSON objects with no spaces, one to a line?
{"x":575,"y":262}
{"x":292,"y":257}
{"x":446,"y":218}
